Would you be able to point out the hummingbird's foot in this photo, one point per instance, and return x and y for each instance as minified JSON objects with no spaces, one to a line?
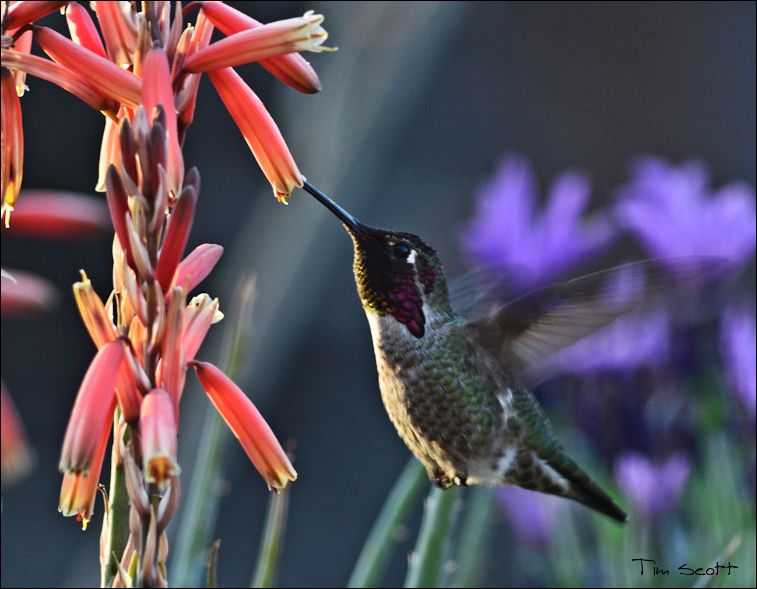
{"x":441,"y":479}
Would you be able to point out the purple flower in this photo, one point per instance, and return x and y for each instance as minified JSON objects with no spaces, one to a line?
{"x":533,"y":248}
{"x":737,"y":344}
{"x":673,"y":212}
{"x":532,"y":515}
{"x":653,"y":489}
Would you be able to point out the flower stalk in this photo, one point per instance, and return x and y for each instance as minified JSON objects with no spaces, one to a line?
{"x":134,"y":70}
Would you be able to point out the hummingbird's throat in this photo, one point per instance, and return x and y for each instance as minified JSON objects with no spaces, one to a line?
{"x":395,"y":293}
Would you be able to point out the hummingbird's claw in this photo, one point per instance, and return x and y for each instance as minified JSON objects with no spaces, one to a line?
{"x":441,"y":479}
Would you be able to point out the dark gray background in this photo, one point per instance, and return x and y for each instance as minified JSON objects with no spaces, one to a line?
{"x":419,"y":103}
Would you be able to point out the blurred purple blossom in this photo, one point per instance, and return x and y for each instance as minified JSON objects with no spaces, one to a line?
{"x":532,"y":515}
{"x":653,"y":489}
{"x":533,"y":248}
{"x":673,"y":211}
{"x":737,"y":342}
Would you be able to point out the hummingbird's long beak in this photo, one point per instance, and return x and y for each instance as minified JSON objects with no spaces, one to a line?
{"x":351,"y":223}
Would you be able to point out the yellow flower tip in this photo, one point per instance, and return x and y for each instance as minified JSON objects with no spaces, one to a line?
{"x":160,"y":469}
{"x":7,"y":210}
{"x":282,"y":196}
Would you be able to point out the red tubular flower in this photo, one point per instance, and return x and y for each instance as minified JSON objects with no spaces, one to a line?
{"x":92,"y":410}
{"x":118,"y":206}
{"x":196,"y":40}
{"x":158,"y":432}
{"x":127,"y":393}
{"x":60,"y":76}
{"x":83,"y":30}
{"x":260,"y":131}
{"x":277,"y":38}
{"x":176,"y":238}
{"x":23,"y":45}
{"x":104,"y":75}
{"x":26,"y":294}
{"x":156,"y":90}
{"x":59,"y":215}
{"x":23,"y":13}
{"x":292,"y":69}
{"x":172,"y":370}
{"x":79,"y":489}
{"x":249,"y":427}
{"x":193,"y":269}
{"x":12,"y":156}
{"x":119,"y":29}
{"x":16,"y":455}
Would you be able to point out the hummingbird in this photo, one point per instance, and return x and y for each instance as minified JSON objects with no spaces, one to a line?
{"x":449,"y":384}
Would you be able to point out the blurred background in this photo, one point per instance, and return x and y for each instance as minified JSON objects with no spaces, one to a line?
{"x":419,"y":106}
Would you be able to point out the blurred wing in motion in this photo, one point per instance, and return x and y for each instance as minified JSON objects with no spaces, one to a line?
{"x":525,"y":333}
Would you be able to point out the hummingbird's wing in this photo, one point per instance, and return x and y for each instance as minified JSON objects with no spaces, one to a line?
{"x":524,"y":333}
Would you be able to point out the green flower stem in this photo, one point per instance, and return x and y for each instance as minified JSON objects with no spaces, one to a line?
{"x":201,"y":510}
{"x":117,"y":521}
{"x":474,"y":537}
{"x":273,"y":540}
{"x":427,"y":560}
{"x":377,"y":550}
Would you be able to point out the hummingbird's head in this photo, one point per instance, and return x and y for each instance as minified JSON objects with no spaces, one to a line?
{"x":396,"y":273}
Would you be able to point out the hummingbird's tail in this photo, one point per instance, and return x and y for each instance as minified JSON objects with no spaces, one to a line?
{"x":559,"y":475}
{"x":584,"y":490}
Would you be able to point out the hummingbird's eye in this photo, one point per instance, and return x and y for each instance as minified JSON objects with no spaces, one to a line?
{"x":402,"y":249}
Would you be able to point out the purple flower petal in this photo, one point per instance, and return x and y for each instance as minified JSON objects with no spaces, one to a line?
{"x":737,"y":342}
{"x":653,"y":489}
{"x":673,"y":212}
{"x":533,"y":248}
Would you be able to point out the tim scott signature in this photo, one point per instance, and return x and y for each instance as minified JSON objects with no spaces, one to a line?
{"x":684,"y":569}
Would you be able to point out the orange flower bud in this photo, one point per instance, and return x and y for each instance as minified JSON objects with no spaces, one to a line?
{"x":79,"y":489}
{"x":158,"y":433}
{"x":260,"y":131}
{"x":119,"y":29}
{"x":82,"y":29}
{"x":92,"y":410}
{"x":60,"y":76}
{"x":12,"y":153}
{"x":177,"y":235}
{"x":101,"y":73}
{"x":193,"y":269}
{"x":249,"y":427}
{"x":24,"y":13}
{"x":157,"y":90}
